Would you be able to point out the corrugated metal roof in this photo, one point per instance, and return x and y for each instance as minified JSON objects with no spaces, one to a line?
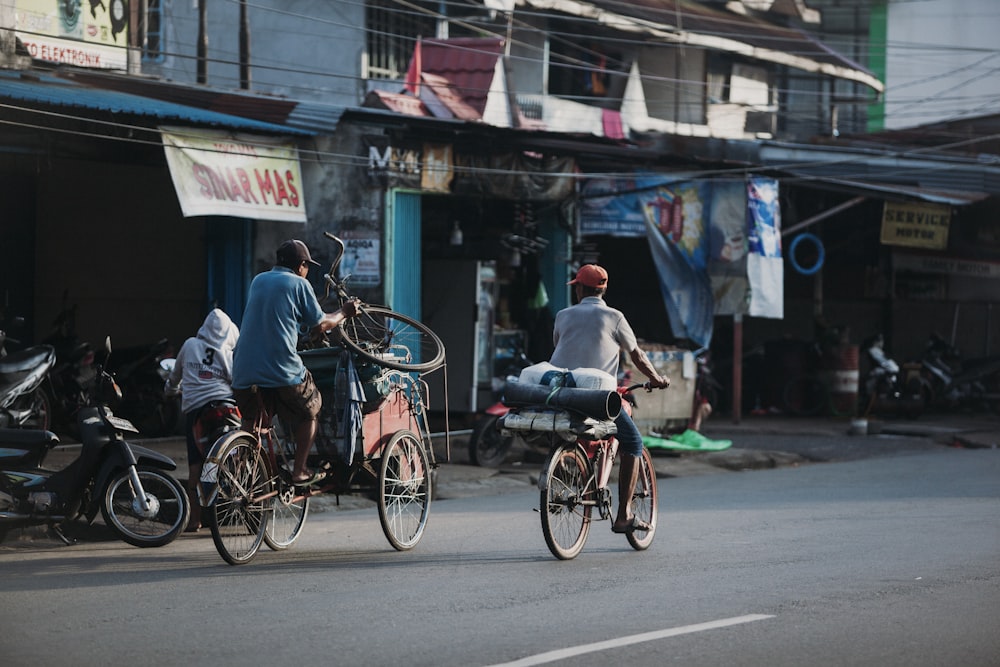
{"x":35,"y":88}
{"x":898,"y":169}
{"x":466,"y":63}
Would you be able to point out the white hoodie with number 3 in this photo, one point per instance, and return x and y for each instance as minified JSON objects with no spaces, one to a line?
{"x":203,"y":370}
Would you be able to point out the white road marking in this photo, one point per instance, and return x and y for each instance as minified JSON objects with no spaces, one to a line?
{"x":562,"y":654}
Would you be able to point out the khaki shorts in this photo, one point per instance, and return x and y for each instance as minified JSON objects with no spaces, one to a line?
{"x":293,"y":404}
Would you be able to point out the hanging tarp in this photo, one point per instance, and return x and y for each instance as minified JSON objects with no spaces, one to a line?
{"x":687,"y":294}
{"x":727,"y":247}
{"x":765,"y":268}
{"x":233,"y":174}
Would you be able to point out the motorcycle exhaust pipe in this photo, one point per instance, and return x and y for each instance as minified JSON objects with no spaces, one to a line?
{"x":596,"y":403}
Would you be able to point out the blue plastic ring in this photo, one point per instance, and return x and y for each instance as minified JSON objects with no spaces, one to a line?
{"x":820,"y":254}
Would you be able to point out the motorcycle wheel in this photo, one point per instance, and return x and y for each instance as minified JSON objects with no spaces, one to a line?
{"x":487,"y":447}
{"x":168,"y":514}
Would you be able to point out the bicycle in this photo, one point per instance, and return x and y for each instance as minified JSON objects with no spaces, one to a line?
{"x":246,"y":488}
{"x":574,"y":479}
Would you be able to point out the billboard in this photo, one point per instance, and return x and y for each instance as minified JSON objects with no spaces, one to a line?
{"x":84,"y":33}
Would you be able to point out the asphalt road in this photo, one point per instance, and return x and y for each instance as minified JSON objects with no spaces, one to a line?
{"x":888,"y":560}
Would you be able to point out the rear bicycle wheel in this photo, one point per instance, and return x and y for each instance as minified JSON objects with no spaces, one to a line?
{"x":404,"y":490}
{"x":393,"y":340}
{"x":565,"y":520}
{"x":644,"y":503}
{"x":238,"y":517}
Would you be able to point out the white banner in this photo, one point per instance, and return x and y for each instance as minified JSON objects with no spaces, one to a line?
{"x":240,"y":175}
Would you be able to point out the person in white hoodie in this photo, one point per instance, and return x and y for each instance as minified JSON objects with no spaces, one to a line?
{"x":203,"y":375}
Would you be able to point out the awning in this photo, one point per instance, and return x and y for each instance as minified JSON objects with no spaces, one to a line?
{"x":23,"y":91}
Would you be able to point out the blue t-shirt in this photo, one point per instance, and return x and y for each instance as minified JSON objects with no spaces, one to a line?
{"x":281,"y":305}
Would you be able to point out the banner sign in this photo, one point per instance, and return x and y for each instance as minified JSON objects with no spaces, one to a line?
{"x":915,"y":225}
{"x":91,"y":34}
{"x":765,"y":269}
{"x":947,"y":265}
{"x":240,"y":175}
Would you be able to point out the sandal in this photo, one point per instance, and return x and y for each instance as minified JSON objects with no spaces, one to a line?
{"x":635,"y":524}
{"x":312,"y":479}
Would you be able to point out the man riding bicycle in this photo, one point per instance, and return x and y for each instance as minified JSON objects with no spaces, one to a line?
{"x":281,"y":305}
{"x":591,"y":334}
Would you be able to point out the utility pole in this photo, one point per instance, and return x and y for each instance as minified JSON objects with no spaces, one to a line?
{"x":202,"y":41}
{"x":244,"y":47}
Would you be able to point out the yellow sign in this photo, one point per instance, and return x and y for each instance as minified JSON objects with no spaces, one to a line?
{"x":915,"y":225}
{"x":74,"y":32}
{"x":245,"y":176}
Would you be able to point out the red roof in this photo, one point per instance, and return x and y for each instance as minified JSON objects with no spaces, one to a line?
{"x":468,"y":65}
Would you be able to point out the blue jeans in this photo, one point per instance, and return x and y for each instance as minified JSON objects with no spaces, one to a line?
{"x":629,"y":438}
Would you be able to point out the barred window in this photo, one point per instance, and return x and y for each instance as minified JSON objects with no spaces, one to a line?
{"x":150,"y":30}
{"x":393,"y":29}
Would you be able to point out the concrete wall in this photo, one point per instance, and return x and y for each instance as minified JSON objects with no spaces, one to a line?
{"x":306,"y":49}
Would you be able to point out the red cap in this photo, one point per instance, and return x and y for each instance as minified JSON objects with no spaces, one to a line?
{"x":591,"y":275}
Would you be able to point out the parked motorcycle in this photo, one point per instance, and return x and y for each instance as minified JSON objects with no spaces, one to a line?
{"x":72,"y":378}
{"x":887,"y":388}
{"x":130,"y":485}
{"x":957,"y":383}
{"x":23,"y":403}
{"x":487,"y":447}
{"x":141,"y":373}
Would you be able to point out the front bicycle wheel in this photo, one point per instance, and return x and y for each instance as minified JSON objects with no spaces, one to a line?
{"x":393,"y":340}
{"x":239,"y":514}
{"x":288,"y":512}
{"x":565,"y":519}
{"x":644,"y":503}
{"x":404,"y":483}
{"x":287,"y":517}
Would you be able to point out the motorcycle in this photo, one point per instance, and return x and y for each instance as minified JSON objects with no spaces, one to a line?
{"x":23,"y":402}
{"x":141,"y":372}
{"x":956,"y":383}
{"x":130,"y":485}
{"x":889,"y":388}
{"x":487,"y":447}
{"x":72,"y":378}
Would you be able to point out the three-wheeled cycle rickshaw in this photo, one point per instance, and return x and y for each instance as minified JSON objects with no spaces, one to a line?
{"x":373,"y":438}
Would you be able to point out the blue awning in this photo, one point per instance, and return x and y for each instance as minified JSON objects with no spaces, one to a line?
{"x":32,"y":88}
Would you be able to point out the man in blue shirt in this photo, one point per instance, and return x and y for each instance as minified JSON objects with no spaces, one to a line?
{"x":592,"y":334}
{"x":282,"y":305}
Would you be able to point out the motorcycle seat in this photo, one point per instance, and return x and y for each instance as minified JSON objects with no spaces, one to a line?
{"x":25,"y":436}
{"x":26,"y":360}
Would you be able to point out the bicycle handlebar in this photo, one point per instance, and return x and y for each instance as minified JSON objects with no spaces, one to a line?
{"x":642,"y":385}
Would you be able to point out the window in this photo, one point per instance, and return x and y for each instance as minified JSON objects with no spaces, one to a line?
{"x":592,"y":71}
{"x":150,"y":30}
{"x":393,"y":29}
